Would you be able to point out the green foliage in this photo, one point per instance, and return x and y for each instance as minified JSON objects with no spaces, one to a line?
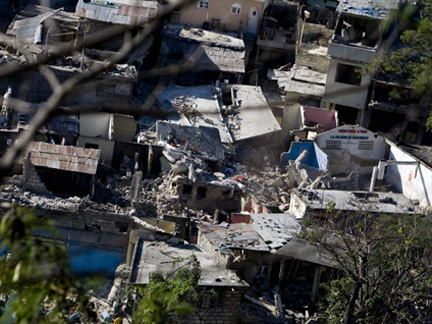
{"x":386,"y":265}
{"x":338,"y":293}
{"x":331,"y":207}
{"x":411,"y":64}
{"x":34,"y":272}
{"x":165,"y":299}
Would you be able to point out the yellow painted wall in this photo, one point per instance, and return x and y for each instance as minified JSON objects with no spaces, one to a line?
{"x":221,"y":9}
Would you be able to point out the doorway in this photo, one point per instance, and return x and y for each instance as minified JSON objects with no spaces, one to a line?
{"x":253,"y":20}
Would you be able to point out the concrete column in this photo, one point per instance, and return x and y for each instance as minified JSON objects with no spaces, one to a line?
{"x":403,"y":129}
{"x":366,"y":117}
{"x":269,"y":271}
{"x":317,"y":277}
{"x":135,"y":186}
{"x":373,"y":179}
{"x":282,"y":271}
{"x":26,"y":172}
{"x":149,"y":160}
{"x":421,"y":131}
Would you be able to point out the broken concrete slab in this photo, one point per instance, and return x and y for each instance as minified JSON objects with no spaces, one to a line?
{"x":194,"y":106}
{"x":252,"y":117}
{"x":203,"y":140}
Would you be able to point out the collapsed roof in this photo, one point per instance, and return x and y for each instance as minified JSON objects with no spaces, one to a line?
{"x":166,"y":258}
{"x":194,"y":106}
{"x":201,"y":139}
{"x":207,"y":50}
{"x":253,"y":117}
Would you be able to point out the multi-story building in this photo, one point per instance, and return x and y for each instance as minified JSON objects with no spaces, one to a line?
{"x":357,"y":36}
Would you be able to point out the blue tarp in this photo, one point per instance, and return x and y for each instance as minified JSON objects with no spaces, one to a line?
{"x":85,"y":259}
{"x":315,"y":157}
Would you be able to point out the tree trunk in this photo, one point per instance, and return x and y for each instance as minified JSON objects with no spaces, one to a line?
{"x":349,"y":319}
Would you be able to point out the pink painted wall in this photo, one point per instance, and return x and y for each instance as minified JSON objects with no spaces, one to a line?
{"x":327,"y":118}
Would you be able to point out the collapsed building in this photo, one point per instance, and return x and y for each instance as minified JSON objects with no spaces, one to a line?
{"x":149,"y":256}
{"x":103,"y":16}
{"x":212,"y":55}
{"x":276,"y":41}
{"x":202,"y":179}
{"x":357,"y":36}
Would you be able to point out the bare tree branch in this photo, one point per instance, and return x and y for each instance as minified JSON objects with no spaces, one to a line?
{"x":60,"y":92}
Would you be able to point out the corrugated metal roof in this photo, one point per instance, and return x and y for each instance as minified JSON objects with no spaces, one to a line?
{"x":302,"y":249}
{"x":119,"y":12}
{"x":27,"y":29}
{"x":66,"y":158}
{"x":276,"y":229}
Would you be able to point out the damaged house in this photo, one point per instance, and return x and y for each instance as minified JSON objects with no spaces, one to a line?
{"x":408,"y":169}
{"x":114,"y":135}
{"x":351,"y":147}
{"x":319,"y":204}
{"x":235,"y":16}
{"x":357,"y":36}
{"x":102,"y":130}
{"x":303,"y":82}
{"x":103,"y":16}
{"x":249,"y":116}
{"x":60,"y":169}
{"x":194,"y":106}
{"x":216,"y":37}
{"x":212,"y":55}
{"x":191,"y":157}
{"x":264,"y":250}
{"x":155,"y":256}
{"x":305,"y":122}
{"x":36,"y":29}
{"x":276,"y":41}
{"x":400,"y":120}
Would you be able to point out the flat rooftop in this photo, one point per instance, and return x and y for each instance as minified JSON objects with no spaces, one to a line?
{"x":166,"y":258}
{"x":300,"y":79}
{"x":229,"y":40}
{"x":254,"y":117}
{"x":376,"y":202}
{"x":377,"y":9}
{"x":194,"y":106}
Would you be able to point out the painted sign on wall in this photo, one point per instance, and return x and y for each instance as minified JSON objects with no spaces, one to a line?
{"x":354,"y":137}
{"x":352,"y":147}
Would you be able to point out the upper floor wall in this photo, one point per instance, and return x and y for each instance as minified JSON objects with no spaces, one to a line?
{"x":230,"y":15}
{"x":345,"y":84}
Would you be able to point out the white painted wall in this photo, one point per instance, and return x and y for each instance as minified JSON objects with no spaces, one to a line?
{"x":354,"y":96}
{"x":414,"y":182}
{"x":94,"y":125}
{"x":293,"y":118}
{"x":351,"y":148}
{"x":106,"y":147}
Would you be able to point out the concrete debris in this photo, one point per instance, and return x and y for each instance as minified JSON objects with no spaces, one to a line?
{"x":214,"y":173}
